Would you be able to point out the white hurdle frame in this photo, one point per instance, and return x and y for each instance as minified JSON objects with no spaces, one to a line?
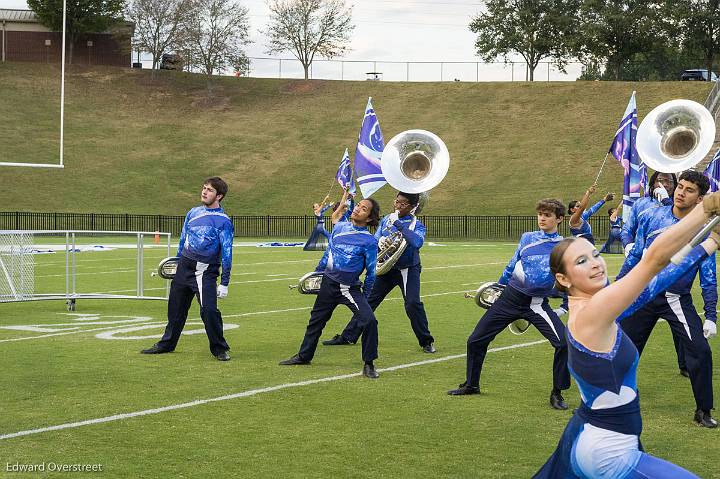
{"x":71,"y":294}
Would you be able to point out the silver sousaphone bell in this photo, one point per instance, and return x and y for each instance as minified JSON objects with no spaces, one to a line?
{"x":487,"y":294}
{"x":676,"y":136}
{"x":414,"y":161}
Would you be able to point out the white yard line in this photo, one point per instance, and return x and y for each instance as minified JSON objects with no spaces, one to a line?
{"x":242,"y":394}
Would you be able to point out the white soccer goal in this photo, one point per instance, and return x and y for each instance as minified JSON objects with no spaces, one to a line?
{"x":33,"y":264}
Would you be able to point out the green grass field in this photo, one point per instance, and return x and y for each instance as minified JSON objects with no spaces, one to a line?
{"x":256,"y":419}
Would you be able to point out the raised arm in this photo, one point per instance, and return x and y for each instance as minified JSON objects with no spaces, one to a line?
{"x":618,"y":209}
{"x":606,"y":305}
{"x":576,"y":218}
{"x":342,"y":207}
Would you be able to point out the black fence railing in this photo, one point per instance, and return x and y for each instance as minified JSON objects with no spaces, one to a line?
{"x":506,"y":227}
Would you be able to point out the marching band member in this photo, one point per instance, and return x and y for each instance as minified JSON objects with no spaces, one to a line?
{"x":675,"y":303}
{"x":352,"y":249}
{"x":405,"y":274}
{"x":205,"y":243}
{"x":660,"y":192}
{"x":602,"y":438}
{"x":319,"y":235}
{"x":579,"y":225}
{"x":615,"y":227}
{"x":528,"y":284}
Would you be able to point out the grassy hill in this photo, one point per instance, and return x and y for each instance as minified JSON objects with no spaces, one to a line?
{"x":142,"y":143}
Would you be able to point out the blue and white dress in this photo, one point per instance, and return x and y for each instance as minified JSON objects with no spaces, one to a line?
{"x":602,"y":439}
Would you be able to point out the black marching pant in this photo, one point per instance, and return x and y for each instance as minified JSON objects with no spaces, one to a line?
{"x":686,"y":325}
{"x":194,"y":279}
{"x":512,"y":305}
{"x":330,"y":296}
{"x":408,"y":279}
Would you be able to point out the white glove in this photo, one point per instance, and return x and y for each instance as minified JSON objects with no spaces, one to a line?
{"x":392,"y":218}
{"x":628,"y":247}
{"x":222,"y":291}
{"x":560,"y":311}
{"x":660,"y":193}
{"x":709,"y":329}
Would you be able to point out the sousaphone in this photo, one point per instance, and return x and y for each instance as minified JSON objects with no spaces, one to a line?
{"x":414,"y":161}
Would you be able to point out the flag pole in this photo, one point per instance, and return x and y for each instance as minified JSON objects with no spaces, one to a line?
{"x":601,"y":168}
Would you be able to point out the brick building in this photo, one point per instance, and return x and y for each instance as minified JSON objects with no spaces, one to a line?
{"x":24,"y":38}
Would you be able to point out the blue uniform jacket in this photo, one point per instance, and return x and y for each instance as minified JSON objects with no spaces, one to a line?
{"x":585,"y":228}
{"x":630,"y":227}
{"x":415,"y":239}
{"x":207,"y":237}
{"x":529,"y":269}
{"x":650,"y":224}
{"x":351,"y":250}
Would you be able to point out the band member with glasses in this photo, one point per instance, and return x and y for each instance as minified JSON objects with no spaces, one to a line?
{"x":352,"y":249}
{"x":405,"y":273}
{"x":675,"y":303}
{"x":579,"y":225}
{"x":603,"y":437}
{"x":205,"y":243}
{"x":660,"y":193}
{"x":529,"y":283}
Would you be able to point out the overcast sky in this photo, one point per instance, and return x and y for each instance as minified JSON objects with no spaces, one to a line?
{"x":391,"y":31}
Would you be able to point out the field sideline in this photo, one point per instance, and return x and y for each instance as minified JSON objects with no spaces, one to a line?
{"x":187,"y":415}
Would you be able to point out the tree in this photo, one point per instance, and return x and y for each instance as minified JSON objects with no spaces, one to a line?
{"x":158,"y":24}
{"x":82,"y":16}
{"x":534,"y":29}
{"x":698,"y":26}
{"x":614,"y":32}
{"x":309,"y":27}
{"x":214,"y":36}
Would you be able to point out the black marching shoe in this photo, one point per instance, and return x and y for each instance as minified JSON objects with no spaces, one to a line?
{"x":429,"y":348}
{"x":463,"y":390}
{"x":293,"y":361}
{"x":369,"y":371}
{"x":684,"y":372}
{"x":224,"y":356}
{"x":337,"y":340}
{"x":557,"y":401}
{"x":155,"y":349}
{"x":704,"y":419}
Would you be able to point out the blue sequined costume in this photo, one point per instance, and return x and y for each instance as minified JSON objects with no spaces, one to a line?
{"x":602,"y":439}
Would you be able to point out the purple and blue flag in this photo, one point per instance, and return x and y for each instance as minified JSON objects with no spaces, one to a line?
{"x":712,"y":172}
{"x":623,"y":149}
{"x":344,"y":175}
{"x":368,"y":152}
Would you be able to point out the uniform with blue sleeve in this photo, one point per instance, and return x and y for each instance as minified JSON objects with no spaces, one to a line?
{"x":529,"y":283}
{"x":585,"y":230}
{"x":629,"y":229}
{"x":205,"y":244}
{"x":352,"y":250}
{"x":675,"y":305}
{"x":602,"y":439}
{"x":319,"y":236}
{"x":614,"y":235}
{"x":405,"y":274}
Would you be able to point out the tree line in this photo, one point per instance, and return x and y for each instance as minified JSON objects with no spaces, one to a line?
{"x":613,"y":39}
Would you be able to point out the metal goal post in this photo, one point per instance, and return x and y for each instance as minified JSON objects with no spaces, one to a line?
{"x":26,"y":274}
